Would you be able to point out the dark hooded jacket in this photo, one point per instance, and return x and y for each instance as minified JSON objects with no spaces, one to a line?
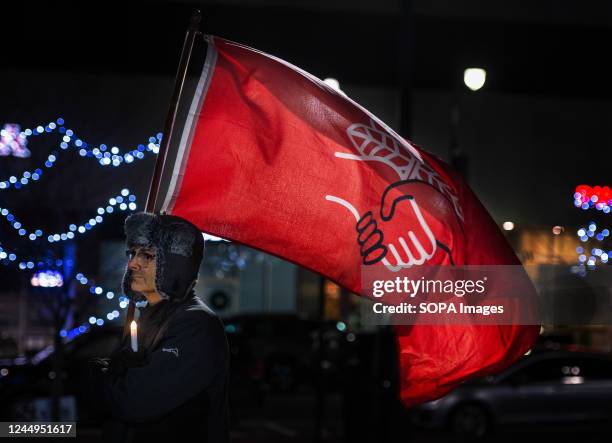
{"x":175,"y":387}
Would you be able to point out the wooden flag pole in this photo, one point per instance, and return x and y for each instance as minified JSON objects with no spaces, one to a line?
{"x":192,"y":31}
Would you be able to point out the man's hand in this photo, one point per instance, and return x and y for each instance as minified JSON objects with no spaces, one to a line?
{"x":125,"y":358}
{"x":100,"y":363}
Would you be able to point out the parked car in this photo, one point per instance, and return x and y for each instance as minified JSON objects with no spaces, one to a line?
{"x":550,"y":387}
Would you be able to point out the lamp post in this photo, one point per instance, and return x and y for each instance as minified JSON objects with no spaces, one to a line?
{"x":474,"y":79}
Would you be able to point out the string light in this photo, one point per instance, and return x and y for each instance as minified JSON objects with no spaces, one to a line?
{"x":47,"y":279}
{"x":8,"y":257}
{"x":13,"y":142}
{"x":590,"y":231}
{"x":598,"y":197}
{"x":105,"y":156}
{"x":125,"y":202}
{"x":92,"y":321}
{"x":585,"y":234}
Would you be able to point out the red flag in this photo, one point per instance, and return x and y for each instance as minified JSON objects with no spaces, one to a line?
{"x":272,"y":157}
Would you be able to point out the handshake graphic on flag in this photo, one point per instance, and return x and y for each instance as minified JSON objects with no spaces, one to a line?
{"x":404,"y":237}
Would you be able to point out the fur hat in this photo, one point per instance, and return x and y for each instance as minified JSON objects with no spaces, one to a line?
{"x":180,"y":249}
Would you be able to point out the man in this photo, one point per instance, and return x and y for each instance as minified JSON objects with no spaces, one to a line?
{"x":175,"y":386}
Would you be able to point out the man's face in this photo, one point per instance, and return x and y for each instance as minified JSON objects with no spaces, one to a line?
{"x":142,"y":263}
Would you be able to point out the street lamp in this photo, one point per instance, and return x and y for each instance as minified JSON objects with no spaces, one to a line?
{"x":474,"y":78}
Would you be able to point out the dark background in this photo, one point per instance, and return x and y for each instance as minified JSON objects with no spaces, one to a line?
{"x":539,"y":127}
{"x":536,"y":130}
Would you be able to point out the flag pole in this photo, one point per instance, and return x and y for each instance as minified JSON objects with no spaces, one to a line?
{"x":192,"y":31}
{"x":181,"y":74}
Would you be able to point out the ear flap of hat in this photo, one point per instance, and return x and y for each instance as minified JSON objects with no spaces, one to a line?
{"x":183,"y":248}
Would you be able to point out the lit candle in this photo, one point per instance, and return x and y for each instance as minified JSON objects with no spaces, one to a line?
{"x":134,"y":333}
